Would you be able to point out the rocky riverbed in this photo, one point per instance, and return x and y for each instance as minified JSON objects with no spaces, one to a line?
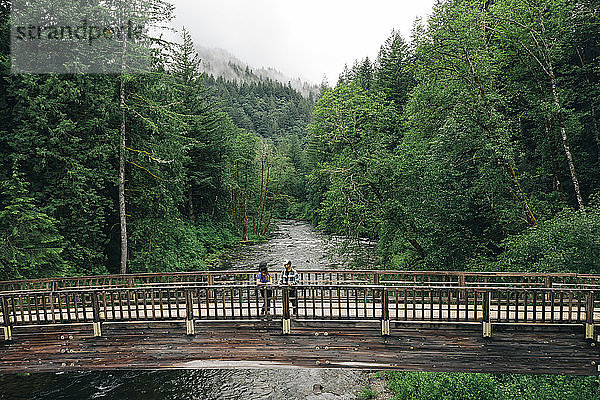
{"x":301,"y":243}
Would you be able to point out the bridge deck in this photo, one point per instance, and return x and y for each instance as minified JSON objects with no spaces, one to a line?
{"x":444,"y":347}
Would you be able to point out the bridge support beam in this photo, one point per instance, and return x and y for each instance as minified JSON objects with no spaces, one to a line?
{"x":7,"y":323}
{"x":210,"y":282}
{"x":487,"y":329}
{"x":96,"y":311}
{"x":8,"y":333}
{"x":589,"y":331}
{"x":385,"y":327}
{"x":287,"y":326}
{"x":189,"y":314}
{"x":487,"y":320}
{"x":548,"y":285}
{"x":462,"y":284}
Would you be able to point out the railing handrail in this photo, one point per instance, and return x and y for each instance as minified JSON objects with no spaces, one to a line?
{"x":380,"y":273}
{"x":99,"y":289}
{"x":338,"y":271}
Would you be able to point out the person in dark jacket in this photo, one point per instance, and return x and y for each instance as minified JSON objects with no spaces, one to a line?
{"x":263,"y":281}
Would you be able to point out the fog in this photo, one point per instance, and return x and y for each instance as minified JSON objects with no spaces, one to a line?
{"x":306,"y":39}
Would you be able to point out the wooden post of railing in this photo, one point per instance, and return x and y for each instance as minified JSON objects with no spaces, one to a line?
{"x":589,"y":316}
{"x":189,"y":314}
{"x":375,"y":278}
{"x":210,"y":282}
{"x":96,"y":311}
{"x":461,"y":283}
{"x":7,"y":324}
{"x":287,"y":322}
{"x":548,"y":285}
{"x":487,"y":321}
{"x":385,"y":313}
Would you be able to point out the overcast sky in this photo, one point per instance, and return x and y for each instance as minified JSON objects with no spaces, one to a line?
{"x":302,"y":38}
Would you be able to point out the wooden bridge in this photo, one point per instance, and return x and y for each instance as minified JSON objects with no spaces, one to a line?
{"x":436,"y":321}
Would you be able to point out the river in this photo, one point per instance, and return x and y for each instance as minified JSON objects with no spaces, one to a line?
{"x":293,"y":240}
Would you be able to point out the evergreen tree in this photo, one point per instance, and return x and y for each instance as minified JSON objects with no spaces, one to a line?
{"x":30,"y":245}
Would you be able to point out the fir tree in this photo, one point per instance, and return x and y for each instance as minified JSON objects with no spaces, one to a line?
{"x":30,"y":245}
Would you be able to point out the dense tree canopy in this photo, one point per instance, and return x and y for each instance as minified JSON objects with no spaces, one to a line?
{"x":195,"y":176}
{"x":474,"y":146}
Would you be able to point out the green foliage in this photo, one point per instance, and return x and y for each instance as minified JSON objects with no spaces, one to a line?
{"x":472,"y":156}
{"x":30,"y":245}
{"x":549,"y":387}
{"x":60,"y":134}
{"x":269,"y":108}
{"x":349,"y":150}
{"x":393,"y":74}
{"x":443,"y":386}
{"x":167,"y":245}
{"x":366,"y":394}
{"x":569,"y":242}
{"x":461,"y":386}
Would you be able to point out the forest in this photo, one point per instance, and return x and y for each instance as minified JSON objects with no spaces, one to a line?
{"x":141,"y":172}
{"x":473,"y":144}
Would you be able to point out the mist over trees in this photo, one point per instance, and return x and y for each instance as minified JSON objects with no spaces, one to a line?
{"x":222,"y":64}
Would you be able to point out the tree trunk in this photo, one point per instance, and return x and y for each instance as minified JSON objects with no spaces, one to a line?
{"x":246,"y":219}
{"x":122,"y":209}
{"x":556,"y":174}
{"x":122,"y":149}
{"x":191,"y":205}
{"x":561,"y":120}
{"x":565,"y":141}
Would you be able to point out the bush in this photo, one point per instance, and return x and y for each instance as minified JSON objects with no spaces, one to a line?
{"x":462,"y":386}
{"x":569,"y":242}
{"x":440,"y":386}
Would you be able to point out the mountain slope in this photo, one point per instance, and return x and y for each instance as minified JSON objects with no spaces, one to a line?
{"x":220,"y":63}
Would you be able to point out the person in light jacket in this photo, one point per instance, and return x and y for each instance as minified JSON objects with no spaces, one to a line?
{"x":289,"y":277}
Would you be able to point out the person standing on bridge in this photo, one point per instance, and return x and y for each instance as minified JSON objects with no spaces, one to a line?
{"x":289,"y":277}
{"x":263,"y":281}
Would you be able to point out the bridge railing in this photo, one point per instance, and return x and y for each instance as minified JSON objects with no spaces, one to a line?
{"x":313,"y":277}
{"x":194,"y":304}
